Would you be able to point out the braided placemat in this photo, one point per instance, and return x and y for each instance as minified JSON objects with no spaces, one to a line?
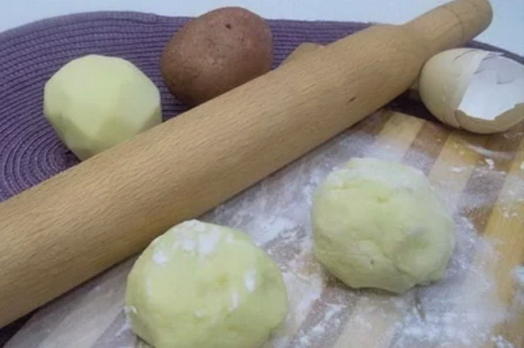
{"x":29,"y":150}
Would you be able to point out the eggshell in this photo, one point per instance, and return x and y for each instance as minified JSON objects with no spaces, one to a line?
{"x":476,"y":90}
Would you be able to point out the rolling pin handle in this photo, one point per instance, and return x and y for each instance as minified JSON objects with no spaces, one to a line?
{"x":454,"y":22}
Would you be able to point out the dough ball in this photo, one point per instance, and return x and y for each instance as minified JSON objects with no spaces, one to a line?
{"x":379,"y":224}
{"x":203,"y":285}
{"x":216,"y":52}
{"x":95,"y":102}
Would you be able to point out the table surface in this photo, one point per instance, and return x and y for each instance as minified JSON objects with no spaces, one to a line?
{"x":504,"y":32}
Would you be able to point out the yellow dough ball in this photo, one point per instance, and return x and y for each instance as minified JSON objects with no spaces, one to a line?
{"x":379,"y":224}
{"x":203,"y":285}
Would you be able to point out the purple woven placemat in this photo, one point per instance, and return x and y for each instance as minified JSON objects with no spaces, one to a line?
{"x":29,"y":150}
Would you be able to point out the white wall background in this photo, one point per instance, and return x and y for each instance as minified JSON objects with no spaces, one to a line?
{"x":506,"y":31}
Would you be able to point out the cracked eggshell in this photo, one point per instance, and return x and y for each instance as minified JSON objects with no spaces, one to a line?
{"x":473,"y":89}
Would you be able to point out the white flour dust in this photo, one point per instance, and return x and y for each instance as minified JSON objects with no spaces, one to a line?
{"x":459,"y":310}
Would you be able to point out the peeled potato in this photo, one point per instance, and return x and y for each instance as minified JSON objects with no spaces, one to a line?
{"x":96,"y":102}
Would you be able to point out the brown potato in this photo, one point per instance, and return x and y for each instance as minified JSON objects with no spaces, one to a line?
{"x":216,"y":52}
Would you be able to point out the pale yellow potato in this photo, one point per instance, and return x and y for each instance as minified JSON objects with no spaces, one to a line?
{"x":95,"y":102}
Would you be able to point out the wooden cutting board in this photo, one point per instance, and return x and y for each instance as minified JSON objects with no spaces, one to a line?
{"x":479,"y":303}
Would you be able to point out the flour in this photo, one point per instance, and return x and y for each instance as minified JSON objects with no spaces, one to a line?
{"x":326,"y":319}
{"x":519,"y":276}
{"x":459,"y":310}
{"x":195,"y":237}
{"x":125,"y":328}
{"x":443,"y":315}
{"x":188,"y":245}
{"x":207,"y":242}
{"x":490,"y":163}
{"x":276,"y":215}
{"x":159,"y":256}
{"x":250,"y":280}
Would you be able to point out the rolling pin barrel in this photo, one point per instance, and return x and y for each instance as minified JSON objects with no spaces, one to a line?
{"x":71,"y":227}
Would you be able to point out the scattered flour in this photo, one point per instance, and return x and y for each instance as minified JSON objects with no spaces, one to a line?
{"x":459,"y":310}
{"x":276,"y":215}
{"x":519,"y":280}
{"x":490,"y":163}
{"x":194,"y":225}
{"x":519,"y":276}
{"x":125,"y":327}
{"x":326,"y":319}
{"x":501,"y":342}
{"x":188,"y":245}
{"x":207,"y":242}
{"x":442,"y":315}
{"x":250,"y":280}
{"x":195,"y":237}
{"x":159,"y":256}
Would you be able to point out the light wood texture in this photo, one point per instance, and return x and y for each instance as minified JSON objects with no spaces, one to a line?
{"x":483,"y":177}
{"x":69,"y":228}
{"x":457,"y":164}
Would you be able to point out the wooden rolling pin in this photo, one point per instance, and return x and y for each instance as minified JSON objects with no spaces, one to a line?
{"x":71,"y":227}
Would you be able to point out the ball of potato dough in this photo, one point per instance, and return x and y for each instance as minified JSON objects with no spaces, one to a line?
{"x":203,"y":285}
{"x":95,"y":102}
{"x":216,"y":52}
{"x":379,"y":224}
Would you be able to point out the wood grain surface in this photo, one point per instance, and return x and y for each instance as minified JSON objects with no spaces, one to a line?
{"x":483,"y":180}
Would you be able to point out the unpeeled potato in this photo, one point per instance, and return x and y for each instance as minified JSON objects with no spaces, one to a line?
{"x":216,"y":52}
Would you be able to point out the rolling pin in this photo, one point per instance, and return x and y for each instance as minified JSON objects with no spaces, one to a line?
{"x":60,"y":233}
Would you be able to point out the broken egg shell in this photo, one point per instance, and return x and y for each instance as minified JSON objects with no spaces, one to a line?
{"x":446,"y":77}
{"x":500,"y":123}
